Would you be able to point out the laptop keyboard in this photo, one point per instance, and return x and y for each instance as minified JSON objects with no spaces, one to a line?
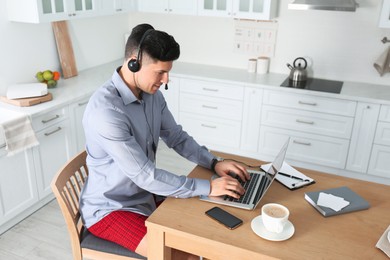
{"x":249,"y":186}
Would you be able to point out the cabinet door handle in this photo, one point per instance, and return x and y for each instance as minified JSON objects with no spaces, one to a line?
{"x":54,"y":131}
{"x":2,"y":146}
{"x":304,"y":122}
{"x":210,"y":107}
{"x":83,"y":103}
{"x":300,"y":142}
{"x":209,"y":126}
{"x":50,"y":119}
{"x":211,"y":89}
{"x":307,"y":103}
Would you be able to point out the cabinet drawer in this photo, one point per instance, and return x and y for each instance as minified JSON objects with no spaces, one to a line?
{"x":311,"y":103}
{"x":379,"y":162}
{"x":209,"y":106}
{"x":322,"y":150}
{"x":384,"y":115}
{"x":305,"y":121}
{"x":49,"y":119}
{"x":212,"y":89}
{"x":212,"y":131}
{"x":382,"y":135}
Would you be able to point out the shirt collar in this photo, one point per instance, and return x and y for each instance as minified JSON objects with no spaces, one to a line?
{"x":124,"y":91}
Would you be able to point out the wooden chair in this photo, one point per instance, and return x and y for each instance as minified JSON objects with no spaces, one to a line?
{"x":66,"y":186}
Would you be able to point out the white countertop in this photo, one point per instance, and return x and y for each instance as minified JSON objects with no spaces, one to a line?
{"x":83,"y":85}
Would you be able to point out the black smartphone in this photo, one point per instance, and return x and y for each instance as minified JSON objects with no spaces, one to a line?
{"x":224,"y":217}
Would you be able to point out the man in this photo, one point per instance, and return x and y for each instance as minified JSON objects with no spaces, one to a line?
{"x":123,"y":122}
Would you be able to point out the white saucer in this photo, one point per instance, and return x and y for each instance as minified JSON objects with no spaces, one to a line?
{"x":258,"y":227}
{"x":388,"y":236}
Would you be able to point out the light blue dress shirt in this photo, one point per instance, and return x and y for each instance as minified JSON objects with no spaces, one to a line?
{"x":122,"y":134}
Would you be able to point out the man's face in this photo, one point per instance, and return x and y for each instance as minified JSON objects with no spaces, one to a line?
{"x":152,"y":75}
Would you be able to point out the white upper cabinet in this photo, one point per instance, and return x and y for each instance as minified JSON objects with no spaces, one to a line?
{"x":117,"y":6}
{"x":242,"y":9}
{"x":188,"y":7}
{"x":384,"y":19}
{"x":40,"y":11}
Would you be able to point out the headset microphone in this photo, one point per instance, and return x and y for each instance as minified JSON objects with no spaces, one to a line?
{"x":166,"y":86}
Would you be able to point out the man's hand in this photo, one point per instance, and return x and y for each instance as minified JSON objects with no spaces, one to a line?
{"x":226,"y":184}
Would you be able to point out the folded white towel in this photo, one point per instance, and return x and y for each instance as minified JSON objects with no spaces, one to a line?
{"x":19,"y":134}
{"x":382,"y":64}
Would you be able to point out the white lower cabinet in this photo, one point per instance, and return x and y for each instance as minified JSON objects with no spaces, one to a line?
{"x":77,"y":112}
{"x":54,"y":135}
{"x":171,"y":96}
{"x":310,"y":148}
{"x":379,"y":162}
{"x":18,"y":188}
{"x":362,"y":137}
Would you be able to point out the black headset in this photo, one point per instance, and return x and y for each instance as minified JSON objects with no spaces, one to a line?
{"x":134,"y":64}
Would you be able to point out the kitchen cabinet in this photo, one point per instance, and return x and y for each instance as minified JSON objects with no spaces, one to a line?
{"x":362,"y":136}
{"x":242,"y":9}
{"x":211,"y":112}
{"x":320,"y":128}
{"x":379,"y":161}
{"x":171,"y":96}
{"x":384,"y":18}
{"x":188,"y":7}
{"x":251,"y":118}
{"x":41,"y":11}
{"x":55,"y":147}
{"x":18,"y":188}
{"x":77,"y":112}
{"x":117,"y":6}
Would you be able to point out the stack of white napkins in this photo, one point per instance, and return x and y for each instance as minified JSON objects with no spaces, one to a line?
{"x":331,"y":201}
{"x":384,"y":242}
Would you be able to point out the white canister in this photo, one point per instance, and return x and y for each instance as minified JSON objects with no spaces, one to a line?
{"x":252,"y":65}
{"x":262,"y":65}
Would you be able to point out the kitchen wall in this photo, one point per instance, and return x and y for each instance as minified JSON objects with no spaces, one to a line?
{"x":28,"y":48}
{"x":338,"y":45}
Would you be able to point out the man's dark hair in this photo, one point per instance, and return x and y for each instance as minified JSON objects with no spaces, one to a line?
{"x":156,"y":44}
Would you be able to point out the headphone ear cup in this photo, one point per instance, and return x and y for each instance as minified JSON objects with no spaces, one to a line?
{"x":133,"y":65}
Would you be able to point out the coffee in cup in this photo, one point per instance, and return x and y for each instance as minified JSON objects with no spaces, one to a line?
{"x":274,"y":217}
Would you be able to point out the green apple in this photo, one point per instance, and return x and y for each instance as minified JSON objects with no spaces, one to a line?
{"x":39,"y":76}
{"x":48,"y":75}
{"x":51,"y":83}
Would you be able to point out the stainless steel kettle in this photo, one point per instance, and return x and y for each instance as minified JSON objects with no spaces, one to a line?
{"x":298,"y":70}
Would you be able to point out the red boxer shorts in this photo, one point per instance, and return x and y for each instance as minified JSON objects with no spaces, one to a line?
{"x":122,"y":227}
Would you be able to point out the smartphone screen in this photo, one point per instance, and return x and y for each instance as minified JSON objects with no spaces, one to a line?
{"x":224,"y":217}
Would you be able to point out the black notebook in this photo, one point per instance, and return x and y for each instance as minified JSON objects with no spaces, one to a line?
{"x":356,"y":201}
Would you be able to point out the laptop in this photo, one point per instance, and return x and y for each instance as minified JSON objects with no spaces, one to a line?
{"x":255,"y":188}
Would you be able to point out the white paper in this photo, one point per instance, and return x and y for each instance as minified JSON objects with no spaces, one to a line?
{"x":288,"y":181}
{"x":331,"y":201}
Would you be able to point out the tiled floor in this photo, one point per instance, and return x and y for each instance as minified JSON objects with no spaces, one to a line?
{"x":43,"y":235}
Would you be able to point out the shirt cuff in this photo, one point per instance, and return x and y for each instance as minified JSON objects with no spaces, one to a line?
{"x":202,"y":187}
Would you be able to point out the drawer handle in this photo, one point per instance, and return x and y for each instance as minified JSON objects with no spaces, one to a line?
{"x":54,"y":131}
{"x":304,"y":122}
{"x":51,"y":119}
{"x":208,"y":126}
{"x":210,"y":107}
{"x":83,"y":103}
{"x":307,"y":103}
{"x":303,"y":143}
{"x":2,"y":146}
{"x":211,"y":89}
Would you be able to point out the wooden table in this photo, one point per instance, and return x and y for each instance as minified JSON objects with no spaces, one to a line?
{"x":182,"y":224}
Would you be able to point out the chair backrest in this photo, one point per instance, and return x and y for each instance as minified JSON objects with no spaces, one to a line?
{"x":67,"y":185}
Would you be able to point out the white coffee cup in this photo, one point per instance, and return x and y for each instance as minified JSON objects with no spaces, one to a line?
{"x":274,"y":217}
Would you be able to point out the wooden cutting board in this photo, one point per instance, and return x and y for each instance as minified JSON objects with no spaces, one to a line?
{"x":64,"y":49}
{"x":26,"y":102}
